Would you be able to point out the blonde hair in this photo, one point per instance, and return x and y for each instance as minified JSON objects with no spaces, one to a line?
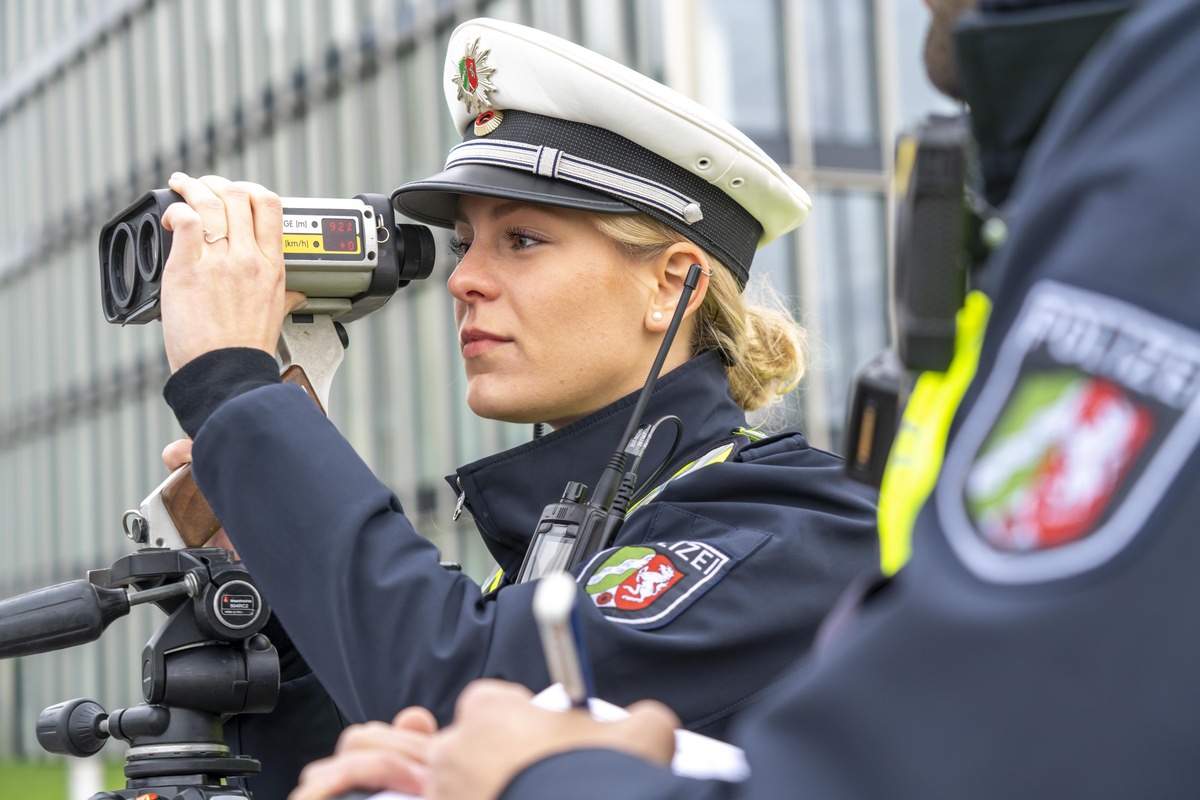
{"x":763,"y":347}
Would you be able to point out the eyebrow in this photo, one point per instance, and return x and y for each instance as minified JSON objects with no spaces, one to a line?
{"x":512,"y":206}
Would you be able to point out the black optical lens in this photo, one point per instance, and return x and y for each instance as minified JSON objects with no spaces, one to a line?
{"x":122,"y":266}
{"x":149,"y":247}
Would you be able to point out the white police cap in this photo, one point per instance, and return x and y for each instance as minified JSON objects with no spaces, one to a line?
{"x":547,"y":121}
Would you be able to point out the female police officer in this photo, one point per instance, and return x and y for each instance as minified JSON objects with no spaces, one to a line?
{"x":580,"y":197}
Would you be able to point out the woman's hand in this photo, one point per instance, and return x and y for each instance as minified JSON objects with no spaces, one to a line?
{"x":497,"y":732}
{"x":177,"y":453}
{"x":223,"y":283}
{"x":374,"y":757}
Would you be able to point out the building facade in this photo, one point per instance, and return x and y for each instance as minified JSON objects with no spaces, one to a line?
{"x":100,"y":100}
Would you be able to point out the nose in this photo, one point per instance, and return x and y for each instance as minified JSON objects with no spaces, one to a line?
{"x":472,"y":279}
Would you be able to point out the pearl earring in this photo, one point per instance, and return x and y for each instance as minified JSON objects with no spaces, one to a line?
{"x":656,"y":316}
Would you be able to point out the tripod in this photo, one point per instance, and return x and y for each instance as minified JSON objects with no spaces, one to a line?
{"x":207,"y":661}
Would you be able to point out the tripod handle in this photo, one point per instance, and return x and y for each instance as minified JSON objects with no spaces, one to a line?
{"x":73,"y":728}
{"x":58,"y":616}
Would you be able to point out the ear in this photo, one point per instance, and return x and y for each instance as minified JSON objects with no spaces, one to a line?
{"x":669,"y":271}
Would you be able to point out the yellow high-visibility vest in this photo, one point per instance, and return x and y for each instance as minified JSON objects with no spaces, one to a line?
{"x":916,"y":456}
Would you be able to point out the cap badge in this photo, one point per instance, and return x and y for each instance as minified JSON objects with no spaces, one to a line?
{"x":473,"y":78}
{"x":487,"y":122}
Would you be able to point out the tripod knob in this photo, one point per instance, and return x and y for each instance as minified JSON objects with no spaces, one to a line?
{"x":72,"y":728}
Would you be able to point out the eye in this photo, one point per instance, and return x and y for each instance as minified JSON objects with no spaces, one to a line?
{"x":522,"y":239}
{"x":458,"y":248}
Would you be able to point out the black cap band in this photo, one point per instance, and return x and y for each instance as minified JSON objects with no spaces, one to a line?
{"x":539,"y":159}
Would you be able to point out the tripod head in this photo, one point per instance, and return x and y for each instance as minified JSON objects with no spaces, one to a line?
{"x":207,"y":661}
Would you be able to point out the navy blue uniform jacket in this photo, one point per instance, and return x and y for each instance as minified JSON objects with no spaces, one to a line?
{"x":727,"y":574}
{"x":1042,"y":642}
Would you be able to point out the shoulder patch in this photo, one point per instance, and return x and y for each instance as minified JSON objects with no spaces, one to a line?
{"x":648,"y":585}
{"x":1087,"y":417}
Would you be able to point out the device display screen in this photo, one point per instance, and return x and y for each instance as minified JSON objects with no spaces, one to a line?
{"x":339,"y":235}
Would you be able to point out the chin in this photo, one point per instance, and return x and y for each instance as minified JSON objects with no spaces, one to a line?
{"x":498,"y":405}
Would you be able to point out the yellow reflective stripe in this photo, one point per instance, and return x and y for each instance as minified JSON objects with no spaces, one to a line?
{"x":750,"y":433}
{"x":916,"y":455}
{"x":721,"y":453}
{"x":493,"y":581}
{"x":902,"y":167}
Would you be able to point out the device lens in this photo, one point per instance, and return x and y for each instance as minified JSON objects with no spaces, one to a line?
{"x":149,"y":247}
{"x":122,"y":266}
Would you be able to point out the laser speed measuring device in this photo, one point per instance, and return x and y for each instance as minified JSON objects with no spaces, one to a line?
{"x":347,"y":256}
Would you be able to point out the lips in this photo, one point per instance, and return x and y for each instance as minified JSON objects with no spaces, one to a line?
{"x":476,"y":342}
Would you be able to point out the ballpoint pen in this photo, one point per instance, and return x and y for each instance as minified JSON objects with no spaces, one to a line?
{"x":558,"y":625}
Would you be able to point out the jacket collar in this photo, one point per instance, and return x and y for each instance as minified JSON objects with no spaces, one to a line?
{"x":1013,"y":66}
{"x":506,"y":492}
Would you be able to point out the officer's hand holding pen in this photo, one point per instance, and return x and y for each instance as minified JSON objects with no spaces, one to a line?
{"x":497,"y":732}
{"x":374,"y":757}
